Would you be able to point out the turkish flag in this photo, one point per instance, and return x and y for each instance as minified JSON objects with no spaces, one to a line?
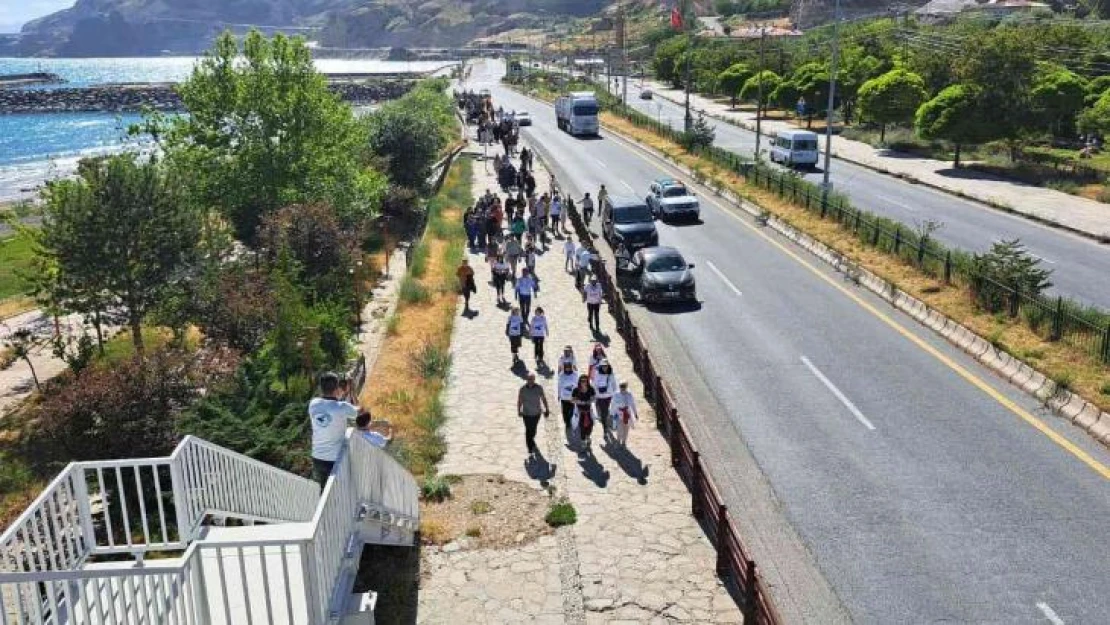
{"x":676,"y":19}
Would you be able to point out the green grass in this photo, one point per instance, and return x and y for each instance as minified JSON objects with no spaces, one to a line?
{"x":419,"y":260}
{"x":561,"y":513}
{"x":17,"y":257}
{"x":412,"y":292}
{"x":431,"y":362}
{"x":435,"y":488}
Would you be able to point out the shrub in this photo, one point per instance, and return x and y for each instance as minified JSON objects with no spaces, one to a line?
{"x":412,"y":292}
{"x":1104,"y":194}
{"x":419,"y":264}
{"x":561,"y":513}
{"x":435,"y":488}
{"x":1105,"y":389}
{"x":433,"y":532}
{"x":431,"y":361}
{"x":480,"y":507}
{"x":1005,"y":268}
{"x":392,"y":324}
{"x":474,"y":531}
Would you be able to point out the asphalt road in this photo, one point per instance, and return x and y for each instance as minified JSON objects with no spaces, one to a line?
{"x":1080,"y":266}
{"x":831,"y":420}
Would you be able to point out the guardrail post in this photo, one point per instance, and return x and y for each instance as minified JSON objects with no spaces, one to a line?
{"x":948,"y":267}
{"x":722,"y":548}
{"x":672,"y":431}
{"x":657,"y":392}
{"x":921,"y":251}
{"x":751,"y":599}
{"x":875,"y":234}
{"x":897,"y":239}
{"x":1015,"y":302}
{"x":824,"y":204}
{"x":1058,"y":319}
{"x":855,"y":224}
{"x":695,"y":486}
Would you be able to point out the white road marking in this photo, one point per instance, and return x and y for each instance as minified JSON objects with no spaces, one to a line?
{"x":835,"y":391}
{"x":895,"y":202}
{"x":628,"y":186}
{"x":722,"y":277}
{"x":599,"y":162}
{"x":1049,"y":613}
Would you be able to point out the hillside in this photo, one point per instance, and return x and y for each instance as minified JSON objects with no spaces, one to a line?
{"x":144,"y":27}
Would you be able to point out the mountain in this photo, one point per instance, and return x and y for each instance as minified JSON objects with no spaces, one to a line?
{"x":146,"y":27}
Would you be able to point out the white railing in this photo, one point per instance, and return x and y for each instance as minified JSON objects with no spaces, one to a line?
{"x":135,"y":506}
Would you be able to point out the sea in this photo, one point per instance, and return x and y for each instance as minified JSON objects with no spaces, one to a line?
{"x":35,"y":147}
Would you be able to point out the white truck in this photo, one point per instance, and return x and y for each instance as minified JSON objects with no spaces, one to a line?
{"x":577,"y":112}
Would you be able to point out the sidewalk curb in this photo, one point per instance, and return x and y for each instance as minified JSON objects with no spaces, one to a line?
{"x":994,"y":205}
{"x":1059,"y":400}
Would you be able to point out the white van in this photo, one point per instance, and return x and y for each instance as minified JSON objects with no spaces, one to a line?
{"x":795,"y":148}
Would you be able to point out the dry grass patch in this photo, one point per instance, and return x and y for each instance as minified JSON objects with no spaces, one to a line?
{"x":1060,"y":360}
{"x":13,"y":306}
{"x":489,"y":511}
{"x":394,"y":389}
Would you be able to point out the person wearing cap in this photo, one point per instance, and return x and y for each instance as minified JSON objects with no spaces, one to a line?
{"x":329,"y":417}
{"x":622,"y":410}
{"x":593,"y":295}
{"x":568,"y":381}
{"x":604,"y":382}
{"x":538,"y":332}
{"x":514,"y":329}
{"x":528,"y":403}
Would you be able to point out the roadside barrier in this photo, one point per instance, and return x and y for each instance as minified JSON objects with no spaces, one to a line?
{"x":734,"y":561}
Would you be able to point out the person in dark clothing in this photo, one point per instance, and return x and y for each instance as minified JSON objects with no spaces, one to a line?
{"x":583,"y":398}
{"x":528,"y":402}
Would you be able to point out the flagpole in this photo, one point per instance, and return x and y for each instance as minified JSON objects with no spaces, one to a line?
{"x":689,"y":53}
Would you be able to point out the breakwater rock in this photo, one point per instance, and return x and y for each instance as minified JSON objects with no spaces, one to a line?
{"x":32,"y":78}
{"x":162,"y":97}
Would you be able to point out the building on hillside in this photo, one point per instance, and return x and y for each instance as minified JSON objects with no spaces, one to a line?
{"x":944,"y":10}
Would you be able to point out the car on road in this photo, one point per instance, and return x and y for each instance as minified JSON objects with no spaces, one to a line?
{"x":671,"y":199}
{"x":795,"y":148}
{"x":522,"y":118}
{"x":662,"y":275}
{"x":628,"y":221}
{"x":646,"y":94}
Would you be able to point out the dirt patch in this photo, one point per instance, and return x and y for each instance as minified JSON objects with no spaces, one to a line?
{"x":486,"y":511}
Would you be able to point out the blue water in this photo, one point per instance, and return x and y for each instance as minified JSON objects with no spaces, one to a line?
{"x":35,"y":147}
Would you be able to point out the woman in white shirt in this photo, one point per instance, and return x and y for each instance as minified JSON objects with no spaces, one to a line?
{"x":604,"y":382}
{"x":622,"y":410}
{"x":501,"y":271}
{"x":514,"y":329}
{"x":568,"y":381}
{"x":539,"y":332}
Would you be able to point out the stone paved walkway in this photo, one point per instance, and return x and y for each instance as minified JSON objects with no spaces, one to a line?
{"x":1073,"y":212}
{"x":635,"y":554}
{"x":16,"y":382}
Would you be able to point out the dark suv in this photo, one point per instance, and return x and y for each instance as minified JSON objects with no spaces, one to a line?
{"x":628,"y":220}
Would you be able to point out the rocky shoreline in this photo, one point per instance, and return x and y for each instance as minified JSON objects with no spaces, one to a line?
{"x":126,"y":98}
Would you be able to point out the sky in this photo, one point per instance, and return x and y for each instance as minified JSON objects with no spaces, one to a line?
{"x":14,"y":13}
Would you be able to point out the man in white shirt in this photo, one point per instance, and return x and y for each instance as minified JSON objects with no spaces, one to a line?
{"x":329,"y":417}
{"x":556,"y":214}
{"x":584,"y":256}
{"x":587,"y":208}
{"x":568,"y":249}
{"x":622,"y":409}
{"x":593,"y":295}
{"x":525,"y":288}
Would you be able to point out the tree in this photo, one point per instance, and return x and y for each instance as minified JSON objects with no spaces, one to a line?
{"x":812,"y":83}
{"x":1001,"y":65}
{"x":856,"y":67}
{"x":1096,"y":119}
{"x":21,"y":345}
{"x":732,"y":79}
{"x":953,"y":115}
{"x":124,"y":225}
{"x":409,"y":135}
{"x":751,"y":89}
{"x":263,"y":131}
{"x":1058,"y":95}
{"x":785,"y":94}
{"x":1095,"y":88}
{"x":324,"y":252}
{"x":667,"y":60}
{"x":892,"y":98}
{"x":700,"y":135}
{"x":1007,"y":267}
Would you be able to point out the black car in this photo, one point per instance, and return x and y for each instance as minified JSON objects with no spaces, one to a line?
{"x":661,"y":275}
{"x":629,"y":221}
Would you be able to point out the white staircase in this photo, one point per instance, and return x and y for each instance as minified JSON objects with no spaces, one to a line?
{"x":129,"y":541}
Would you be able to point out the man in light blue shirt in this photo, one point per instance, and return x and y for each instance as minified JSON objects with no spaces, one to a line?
{"x":525,"y":288}
{"x":329,"y":417}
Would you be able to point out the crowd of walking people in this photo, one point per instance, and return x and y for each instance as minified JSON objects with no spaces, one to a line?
{"x":510,"y":233}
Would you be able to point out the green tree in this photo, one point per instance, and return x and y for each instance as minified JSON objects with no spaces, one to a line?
{"x":812,"y":83}
{"x":125,"y":225}
{"x":892,"y":98}
{"x":1058,"y":95}
{"x":856,"y":67}
{"x":667,"y":60}
{"x":1001,"y":65}
{"x":1095,"y":88}
{"x":730,"y":81}
{"x":953,"y":115}
{"x":1096,"y":119}
{"x":263,"y":131}
{"x":785,"y":95}
{"x":750,"y":91}
{"x":409,"y":135}
{"x":1007,"y":267}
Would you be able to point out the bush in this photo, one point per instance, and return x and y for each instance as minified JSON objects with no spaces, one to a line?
{"x":419,"y":264}
{"x":480,"y":507}
{"x":561,"y":513}
{"x":412,"y":292}
{"x":435,"y":488}
{"x":431,"y":362}
{"x":1007,"y":267}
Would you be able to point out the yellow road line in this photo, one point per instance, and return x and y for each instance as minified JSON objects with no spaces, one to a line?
{"x":1023,"y":414}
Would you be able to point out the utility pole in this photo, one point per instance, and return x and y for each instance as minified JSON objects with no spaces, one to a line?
{"x":622,"y":41}
{"x":689,"y":125}
{"x":832,"y":98}
{"x":759,"y":102}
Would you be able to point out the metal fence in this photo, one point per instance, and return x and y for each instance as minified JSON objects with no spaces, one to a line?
{"x":734,"y":561}
{"x":1053,"y":318}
